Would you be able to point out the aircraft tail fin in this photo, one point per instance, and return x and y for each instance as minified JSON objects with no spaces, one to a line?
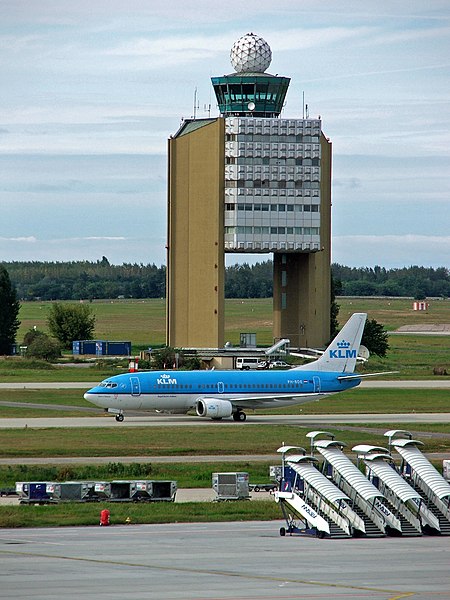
{"x":341,"y":354}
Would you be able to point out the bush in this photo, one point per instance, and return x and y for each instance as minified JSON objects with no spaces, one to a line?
{"x":44,"y":347}
{"x":69,"y":322}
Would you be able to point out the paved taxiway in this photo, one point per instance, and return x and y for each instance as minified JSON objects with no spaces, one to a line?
{"x":220,"y":561}
{"x":252,"y":419}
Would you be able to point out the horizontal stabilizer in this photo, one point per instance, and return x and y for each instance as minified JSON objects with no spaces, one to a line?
{"x":362,"y":375}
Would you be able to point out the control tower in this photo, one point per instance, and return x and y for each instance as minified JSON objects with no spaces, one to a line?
{"x":249,"y":181}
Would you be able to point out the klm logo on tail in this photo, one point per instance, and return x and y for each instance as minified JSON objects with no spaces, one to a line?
{"x":343,"y":351}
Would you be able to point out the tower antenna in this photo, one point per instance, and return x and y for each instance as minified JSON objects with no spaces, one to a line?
{"x":195,"y":103}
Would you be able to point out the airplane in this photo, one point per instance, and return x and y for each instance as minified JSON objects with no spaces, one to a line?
{"x":222,"y":394}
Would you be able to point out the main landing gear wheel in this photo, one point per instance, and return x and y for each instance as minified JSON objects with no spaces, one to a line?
{"x":120,"y":418}
{"x":239,"y":416}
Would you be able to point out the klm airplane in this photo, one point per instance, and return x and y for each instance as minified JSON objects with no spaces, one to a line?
{"x":223,"y":394}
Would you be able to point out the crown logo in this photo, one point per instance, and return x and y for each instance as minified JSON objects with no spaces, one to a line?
{"x":343,"y":344}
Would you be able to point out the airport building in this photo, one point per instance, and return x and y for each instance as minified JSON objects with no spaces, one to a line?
{"x":249,"y":181}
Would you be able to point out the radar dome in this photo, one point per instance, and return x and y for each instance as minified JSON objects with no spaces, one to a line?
{"x":251,"y":54}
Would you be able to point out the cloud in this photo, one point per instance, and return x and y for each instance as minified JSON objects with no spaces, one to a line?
{"x":27,"y":240}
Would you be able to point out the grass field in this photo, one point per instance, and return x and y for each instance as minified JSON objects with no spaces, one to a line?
{"x":211,"y":440}
{"x":143,"y":321}
{"x":64,"y":515}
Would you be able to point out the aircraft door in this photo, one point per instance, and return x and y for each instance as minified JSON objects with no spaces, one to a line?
{"x":316,"y":381}
{"x":135,"y":386}
{"x":220,"y":387}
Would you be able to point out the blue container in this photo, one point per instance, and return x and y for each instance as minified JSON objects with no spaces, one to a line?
{"x":118,"y":348}
{"x":101,"y":348}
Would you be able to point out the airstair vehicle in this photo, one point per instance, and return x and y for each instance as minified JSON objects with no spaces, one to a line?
{"x":307,"y":496}
{"x":339,"y":501}
{"x":366,"y":500}
{"x":402,"y":499}
{"x":432,"y":487}
{"x":300,"y":518}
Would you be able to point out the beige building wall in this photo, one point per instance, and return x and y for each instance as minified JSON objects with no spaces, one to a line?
{"x":195,"y":252}
{"x":301,"y":281}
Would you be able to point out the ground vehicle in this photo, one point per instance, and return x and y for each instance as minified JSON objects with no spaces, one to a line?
{"x":247,"y":362}
{"x":278,"y":364}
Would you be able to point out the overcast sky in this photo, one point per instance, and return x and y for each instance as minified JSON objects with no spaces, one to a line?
{"x":92,"y":89}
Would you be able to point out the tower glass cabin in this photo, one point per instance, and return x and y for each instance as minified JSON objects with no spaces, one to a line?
{"x":250,"y":94}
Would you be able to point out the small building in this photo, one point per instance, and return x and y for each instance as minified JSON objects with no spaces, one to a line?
{"x":420,"y":305}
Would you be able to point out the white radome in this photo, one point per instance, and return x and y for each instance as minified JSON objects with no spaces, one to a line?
{"x":251,"y":54}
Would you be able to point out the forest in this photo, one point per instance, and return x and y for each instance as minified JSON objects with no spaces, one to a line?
{"x":86,"y":280}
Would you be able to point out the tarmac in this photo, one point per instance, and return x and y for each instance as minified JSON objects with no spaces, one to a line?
{"x":216,"y":561}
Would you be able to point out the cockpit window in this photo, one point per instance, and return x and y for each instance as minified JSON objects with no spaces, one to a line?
{"x":108,"y":384}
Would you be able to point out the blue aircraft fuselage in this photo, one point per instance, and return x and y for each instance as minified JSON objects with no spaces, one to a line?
{"x":172,"y":390}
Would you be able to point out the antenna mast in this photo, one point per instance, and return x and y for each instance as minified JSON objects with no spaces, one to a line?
{"x":195,"y":103}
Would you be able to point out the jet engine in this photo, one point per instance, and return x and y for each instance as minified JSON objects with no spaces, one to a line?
{"x":214,"y":409}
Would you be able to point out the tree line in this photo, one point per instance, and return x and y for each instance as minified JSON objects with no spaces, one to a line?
{"x":69,"y":322}
{"x":86,"y":280}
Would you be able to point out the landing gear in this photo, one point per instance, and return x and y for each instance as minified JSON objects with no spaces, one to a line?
{"x":239,"y":416}
{"x":120,"y":418}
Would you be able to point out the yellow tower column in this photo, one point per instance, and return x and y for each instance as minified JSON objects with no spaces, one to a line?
{"x":195,"y":252}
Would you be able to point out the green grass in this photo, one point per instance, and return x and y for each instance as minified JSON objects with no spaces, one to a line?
{"x":141,"y":441}
{"x":17,"y":369}
{"x":61,"y":515}
{"x":213,"y":440}
{"x":395,"y":312}
{"x":143,"y":321}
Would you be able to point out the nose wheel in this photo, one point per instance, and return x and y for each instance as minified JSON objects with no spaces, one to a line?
{"x":120,"y":418}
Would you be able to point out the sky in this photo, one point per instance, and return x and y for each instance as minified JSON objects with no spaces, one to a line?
{"x":91,"y":91}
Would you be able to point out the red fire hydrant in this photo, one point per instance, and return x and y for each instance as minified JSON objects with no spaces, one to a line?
{"x":104,"y":517}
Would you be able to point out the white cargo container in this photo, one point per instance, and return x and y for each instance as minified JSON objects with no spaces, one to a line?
{"x":231,"y":486}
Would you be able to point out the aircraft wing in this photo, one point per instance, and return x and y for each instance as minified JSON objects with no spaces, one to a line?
{"x":259,"y":401}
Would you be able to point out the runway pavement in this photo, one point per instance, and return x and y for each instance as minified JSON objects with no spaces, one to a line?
{"x":216,"y":561}
{"x":150,"y":420}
